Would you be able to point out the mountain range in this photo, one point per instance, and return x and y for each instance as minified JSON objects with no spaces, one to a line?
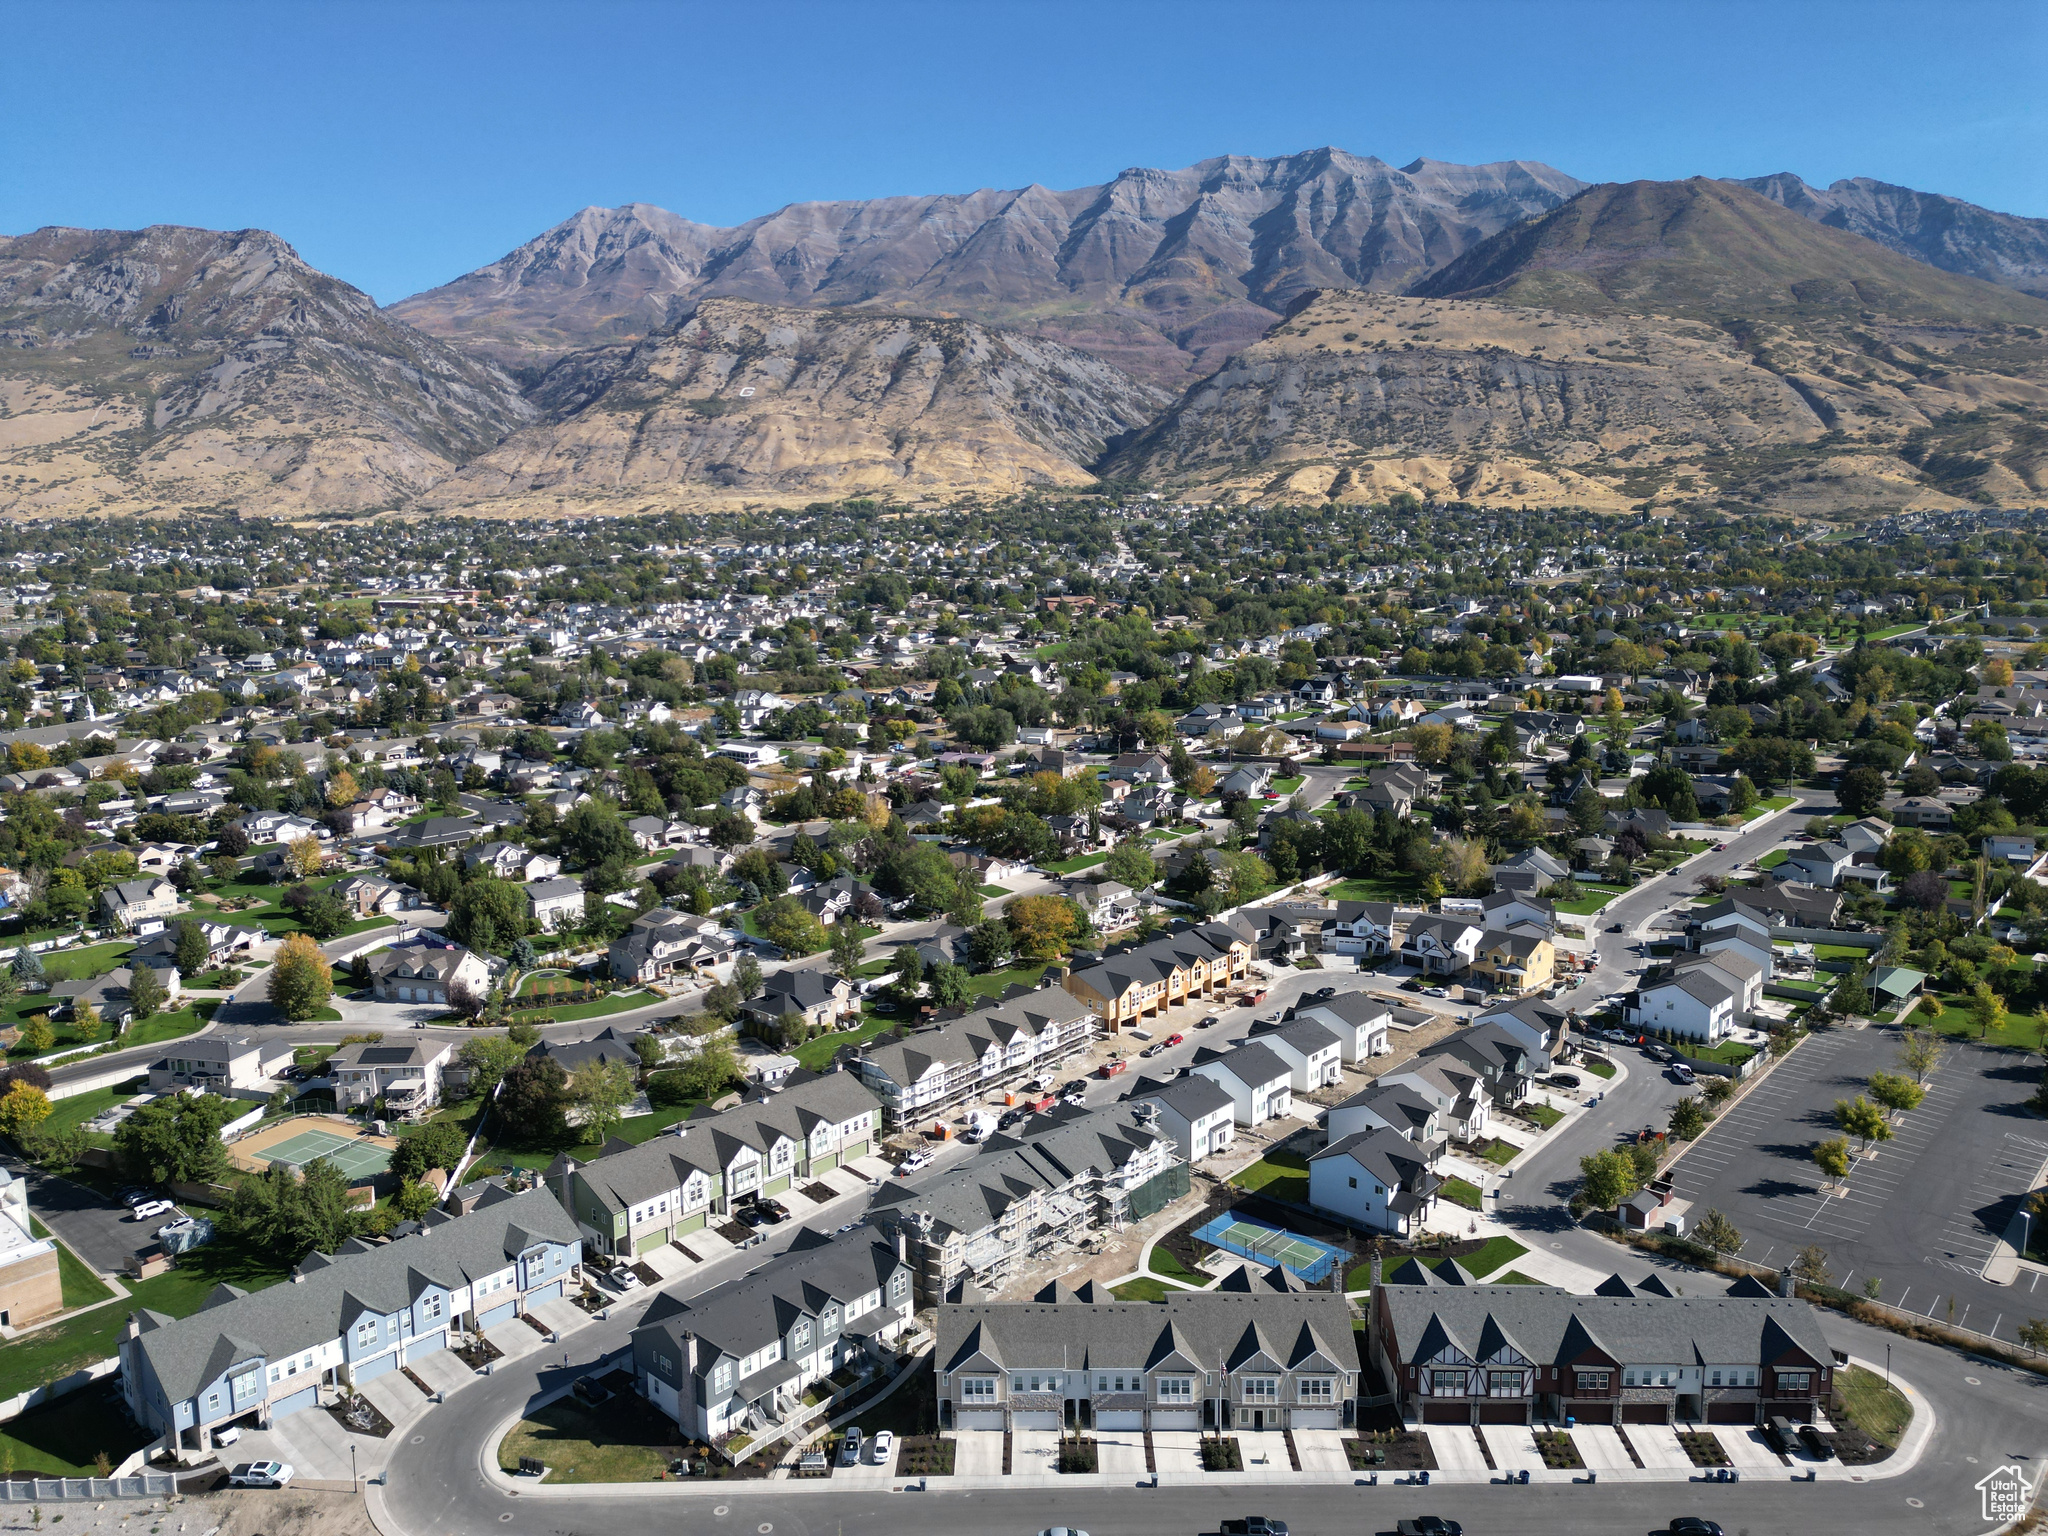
{"x":1319,"y":324}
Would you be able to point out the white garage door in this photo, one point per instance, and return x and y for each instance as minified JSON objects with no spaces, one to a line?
{"x":981,"y":1418}
{"x":1121,"y":1418}
{"x":1315,"y":1418}
{"x":1048,"y":1418}
{"x":1176,"y":1418}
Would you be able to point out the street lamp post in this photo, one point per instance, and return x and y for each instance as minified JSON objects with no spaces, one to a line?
{"x":354,"y":1481}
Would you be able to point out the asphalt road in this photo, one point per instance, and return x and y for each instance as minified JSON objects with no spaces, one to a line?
{"x":1986,"y":1415}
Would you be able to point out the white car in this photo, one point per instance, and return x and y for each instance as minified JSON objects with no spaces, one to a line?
{"x":260,"y":1474}
{"x":882,"y":1447}
{"x":149,"y":1210}
{"x":182,"y":1224}
{"x":623,"y":1278}
{"x":912,"y":1163}
{"x":849,"y":1448}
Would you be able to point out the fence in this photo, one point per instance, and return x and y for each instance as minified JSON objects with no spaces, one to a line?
{"x":1305,"y":1256}
{"x":54,"y":1490}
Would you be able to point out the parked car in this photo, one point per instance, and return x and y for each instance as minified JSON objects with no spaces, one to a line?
{"x":849,"y":1448}
{"x":182,"y":1224}
{"x":912,"y":1163}
{"x":232,"y":1435}
{"x":881,"y":1447}
{"x":1176,"y":1038}
{"x":1693,"y":1525}
{"x":149,"y":1210}
{"x":1683,"y":1073}
{"x":622,"y":1278}
{"x":774,"y":1212}
{"x":1614,"y":927}
{"x":1430,"y":1525}
{"x":1153,"y":1049}
{"x":1207,"y":1020}
{"x":1255,"y":1525}
{"x":1779,"y":1436}
{"x":1564,"y":1079}
{"x":260,"y":1474}
{"x":135,"y":1194}
{"x":1817,"y":1444}
{"x":1435,"y":992}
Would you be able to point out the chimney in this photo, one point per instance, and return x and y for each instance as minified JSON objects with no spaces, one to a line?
{"x":902,"y":1245}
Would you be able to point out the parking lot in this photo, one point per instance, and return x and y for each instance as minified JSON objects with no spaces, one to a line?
{"x":1923,"y":1215}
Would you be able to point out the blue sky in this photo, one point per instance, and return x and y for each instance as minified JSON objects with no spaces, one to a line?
{"x":399,"y":145}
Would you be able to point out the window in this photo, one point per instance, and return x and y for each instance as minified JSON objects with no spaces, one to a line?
{"x":213,"y":1402}
{"x":1316,"y":1389}
{"x":829,"y":1323}
{"x":1353,"y":1183}
{"x":1749,"y":1378}
{"x":1447,"y":1383}
{"x":1591,"y":1381}
{"x":1716,"y":1381}
{"x":1503,"y":1383}
{"x":800,"y":1335}
{"x":1261,"y":1389}
{"x":722,"y":1377}
{"x":432,"y":1308}
{"x":1795,"y":1381}
{"x":897,"y":1283}
{"x":366,"y":1333}
{"x":977,"y":1389}
{"x":1176,"y":1389}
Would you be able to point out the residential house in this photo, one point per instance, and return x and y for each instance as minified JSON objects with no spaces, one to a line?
{"x":663,"y":941}
{"x":1459,"y":1353}
{"x":1378,"y":1179}
{"x":632,"y":1199}
{"x":111,"y":993}
{"x":1506,"y":1064}
{"x":1399,"y":1107}
{"x":1519,"y":963}
{"x":1359,"y":1021}
{"x":1701,"y":1004}
{"x":1199,"y":1113}
{"x":512,"y":861}
{"x":1257,"y":1078}
{"x":1529,"y":872}
{"x":1260,"y":1353}
{"x":1441,"y":946}
{"x":554,"y":904}
{"x":341,"y":1320}
{"x":140,"y":906}
{"x":30,"y":1286}
{"x":406,"y":1077}
{"x":923,"y":1072}
{"x":737,"y":1359}
{"x":1190,"y":965}
{"x":823,"y":1001}
{"x":1059,"y":1179}
{"x":1313,"y":1053}
{"x":374,"y":896}
{"x":221,"y":1064}
{"x":1458,"y":1093}
{"x":424,"y":970}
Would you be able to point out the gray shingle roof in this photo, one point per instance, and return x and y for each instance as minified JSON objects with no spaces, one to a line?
{"x":1203,"y":1329}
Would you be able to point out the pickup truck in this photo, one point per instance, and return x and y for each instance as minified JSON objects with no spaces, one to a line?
{"x":1255,"y":1525}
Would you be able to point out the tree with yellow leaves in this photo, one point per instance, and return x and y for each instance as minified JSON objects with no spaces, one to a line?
{"x":304,"y":856}
{"x":342,"y":789}
{"x":23,"y":1109}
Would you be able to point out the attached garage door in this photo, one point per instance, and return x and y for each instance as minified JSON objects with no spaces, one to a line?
{"x":1593,"y":1413}
{"x":545,"y":1293}
{"x":1315,"y":1418}
{"x":295,"y":1403}
{"x":370,"y":1369}
{"x":827,"y":1162}
{"x":426,"y":1344}
{"x":1503,"y":1413}
{"x":1797,"y":1412}
{"x":1048,"y":1418}
{"x":1446,"y":1413}
{"x":497,"y":1315}
{"x":691,"y":1223}
{"x":1645,"y":1413}
{"x":775,"y":1186}
{"x":1176,"y":1418}
{"x":1731,"y":1413}
{"x":852,"y":1150}
{"x":650,"y":1242}
{"x":1121,"y":1418}
{"x":981,"y":1418}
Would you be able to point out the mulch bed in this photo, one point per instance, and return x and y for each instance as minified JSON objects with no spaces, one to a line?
{"x":414,"y":1377}
{"x":1077,"y":1454}
{"x":819,"y":1192}
{"x":1559,"y":1454}
{"x":1855,"y":1448}
{"x":535,"y":1324}
{"x":1704,"y":1447}
{"x":734,"y":1231}
{"x":1391,"y":1451}
{"x":924,"y":1456}
{"x":359,"y":1416}
{"x":1222,"y":1456}
{"x":480,"y":1354}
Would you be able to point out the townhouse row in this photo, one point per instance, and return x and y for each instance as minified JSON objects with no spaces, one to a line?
{"x":342,"y":1319}
{"x":927,"y":1071}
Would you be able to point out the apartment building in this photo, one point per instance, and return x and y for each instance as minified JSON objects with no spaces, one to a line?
{"x":1257,"y":1354}
{"x":1147,"y":979}
{"x":639,"y":1197}
{"x":343,"y":1319}
{"x":30,"y":1286}
{"x":1026,"y":1197}
{"x":927,"y":1071}
{"x":737,"y":1359}
{"x":1463,"y":1353}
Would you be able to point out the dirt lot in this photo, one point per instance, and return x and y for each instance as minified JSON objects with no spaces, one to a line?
{"x":240,"y":1512}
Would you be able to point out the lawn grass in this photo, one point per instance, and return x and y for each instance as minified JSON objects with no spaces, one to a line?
{"x":1401,"y":888}
{"x":1143,"y":1289}
{"x":1500,"y":1153}
{"x":1514,"y":1277}
{"x":816,"y":1054}
{"x":82,"y":1287}
{"x":1163,"y":1263}
{"x":993,"y":892}
{"x":1286,"y":786}
{"x":623,"y":1439}
{"x":67,"y":1035}
{"x":989,"y":984}
{"x":1461,"y":1192}
{"x":1543,"y":1114}
{"x":84,"y":964}
{"x":44,"y":1354}
{"x":60,"y":1437}
{"x":1281,"y":1175}
{"x":1597,"y":897}
{"x":617,"y":1002}
{"x":1499,"y":1250}
{"x":634,"y":1128}
{"x":1873,"y":1404}
{"x":1600,"y":1068}
{"x":1773,"y":859}
{"x":1730,"y":1053}
{"x":1075,"y":865}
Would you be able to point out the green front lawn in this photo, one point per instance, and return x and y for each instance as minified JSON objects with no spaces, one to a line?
{"x":1163,"y":1263}
{"x":993,"y":892}
{"x":1144,"y":1289}
{"x":61,"y":1348}
{"x":84,"y":964}
{"x":1074,"y":866}
{"x":1281,"y":1175}
{"x":1514,"y":1277}
{"x":150,"y":1031}
{"x":1599,"y":1068}
{"x":1543,"y":1114}
{"x":59,"y":1438}
{"x":989,"y":984}
{"x":817,"y":1054}
{"x":617,"y":1002}
{"x":1461,"y":1192}
{"x":623,"y":1439}
{"x":1773,"y":859}
{"x":1873,"y":1404}
{"x":1500,"y":1153}
{"x":1286,"y":786}
{"x":1730,"y":1053}
{"x":1596,"y":897}
{"x":1498,"y":1251}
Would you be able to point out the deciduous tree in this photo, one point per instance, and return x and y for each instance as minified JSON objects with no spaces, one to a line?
{"x":300,"y":980}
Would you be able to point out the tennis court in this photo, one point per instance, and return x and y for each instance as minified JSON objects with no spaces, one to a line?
{"x":1308,"y":1258}
{"x":356,"y":1157}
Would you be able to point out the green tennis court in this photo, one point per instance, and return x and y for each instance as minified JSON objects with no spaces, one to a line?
{"x":356,"y":1159}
